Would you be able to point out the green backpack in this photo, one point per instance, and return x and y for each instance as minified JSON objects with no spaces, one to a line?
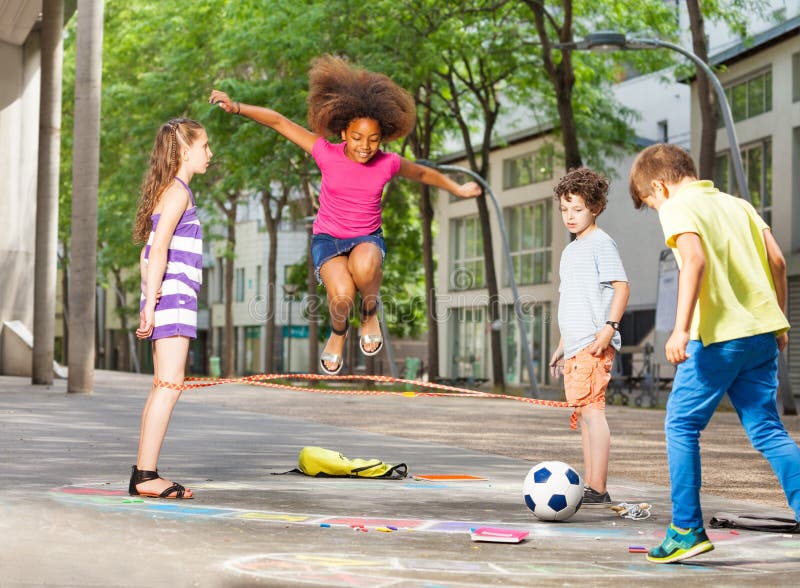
{"x":327,"y":463}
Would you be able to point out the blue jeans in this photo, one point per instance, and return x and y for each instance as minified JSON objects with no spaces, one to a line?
{"x":746,"y":369}
{"x":325,"y":247}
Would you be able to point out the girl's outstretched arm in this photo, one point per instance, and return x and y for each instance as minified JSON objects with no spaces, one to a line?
{"x":432,"y":177}
{"x":297,"y":134}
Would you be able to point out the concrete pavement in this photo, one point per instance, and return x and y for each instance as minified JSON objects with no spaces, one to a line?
{"x":66,"y":518}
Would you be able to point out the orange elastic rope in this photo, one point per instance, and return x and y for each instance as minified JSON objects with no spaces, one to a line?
{"x":266,"y":380}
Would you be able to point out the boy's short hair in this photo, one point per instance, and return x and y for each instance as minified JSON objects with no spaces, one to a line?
{"x":590,"y":185}
{"x":662,"y":161}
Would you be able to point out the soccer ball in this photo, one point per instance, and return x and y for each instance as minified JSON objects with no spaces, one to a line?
{"x":553,"y":491}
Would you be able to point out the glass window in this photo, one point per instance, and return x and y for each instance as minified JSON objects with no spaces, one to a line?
{"x":536,"y":166}
{"x":795,"y":78}
{"x":467,"y":269}
{"x":721,"y":169}
{"x":757,"y":162}
{"x":755,"y":96}
{"x":219,"y":273}
{"x":530,"y":242}
{"x":749,"y":98}
{"x":739,"y":102}
{"x":536,"y":321}
{"x":252,"y":350}
{"x":239,"y":294}
{"x":470,"y":348}
{"x":768,"y":91}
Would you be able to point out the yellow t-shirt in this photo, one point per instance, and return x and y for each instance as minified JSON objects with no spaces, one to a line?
{"x":737,"y":297}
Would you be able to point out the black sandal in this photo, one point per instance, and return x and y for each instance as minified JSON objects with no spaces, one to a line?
{"x":370,"y":339}
{"x":139,"y":476}
{"x":334,"y":357}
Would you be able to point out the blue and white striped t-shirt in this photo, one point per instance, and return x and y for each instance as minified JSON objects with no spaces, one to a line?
{"x":588,"y":266}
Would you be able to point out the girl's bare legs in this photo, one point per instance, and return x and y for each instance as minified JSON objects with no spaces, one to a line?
{"x":341,"y":292}
{"x":364,"y":264}
{"x":169,"y":364}
{"x":596,"y":438}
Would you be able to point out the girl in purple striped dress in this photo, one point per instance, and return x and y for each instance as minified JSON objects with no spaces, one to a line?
{"x":171,"y":266}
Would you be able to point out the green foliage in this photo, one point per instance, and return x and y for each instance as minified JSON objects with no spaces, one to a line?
{"x":472,"y":57}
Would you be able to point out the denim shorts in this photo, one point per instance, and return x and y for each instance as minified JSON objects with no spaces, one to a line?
{"x":325,"y":247}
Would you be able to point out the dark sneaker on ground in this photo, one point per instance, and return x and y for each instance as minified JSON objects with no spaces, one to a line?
{"x":678,"y":545}
{"x":592,"y":497}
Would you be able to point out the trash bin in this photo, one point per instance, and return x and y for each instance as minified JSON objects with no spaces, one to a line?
{"x":412,"y":368}
{"x":213,"y":367}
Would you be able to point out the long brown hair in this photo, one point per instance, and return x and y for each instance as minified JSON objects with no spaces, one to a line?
{"x":164,"y":164}
{"x":339,"y":93}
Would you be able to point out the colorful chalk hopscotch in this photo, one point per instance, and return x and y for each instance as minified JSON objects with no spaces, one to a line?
{"x":755,"y":554}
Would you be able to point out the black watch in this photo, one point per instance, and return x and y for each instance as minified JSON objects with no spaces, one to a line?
{"x":614,"y":325}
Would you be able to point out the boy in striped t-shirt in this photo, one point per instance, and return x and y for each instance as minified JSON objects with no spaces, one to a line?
{"x":593,"y":296}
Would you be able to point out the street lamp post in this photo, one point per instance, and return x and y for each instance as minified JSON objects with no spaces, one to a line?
{"x":289,"y":291}
{"x":610,"y":41}
{"x":526,"y":350}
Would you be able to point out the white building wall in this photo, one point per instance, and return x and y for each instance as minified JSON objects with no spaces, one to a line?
{"x":778,"y":123}
{"x":637,"y":233}
{"x":19,"y":140}
{"x":445,"y":211}
{"x":251,"y":251}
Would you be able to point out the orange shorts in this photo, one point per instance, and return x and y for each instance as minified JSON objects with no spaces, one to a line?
{"x":586,"y":377}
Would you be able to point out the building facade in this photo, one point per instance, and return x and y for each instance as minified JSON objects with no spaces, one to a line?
{"x":762,"y":83}
{"x":524,"y":171}
{"x":19,"y":144}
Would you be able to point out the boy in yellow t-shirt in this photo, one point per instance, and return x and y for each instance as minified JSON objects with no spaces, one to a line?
{"x":729,"y":329}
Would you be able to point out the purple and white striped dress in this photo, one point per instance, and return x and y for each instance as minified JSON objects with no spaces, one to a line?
{"x":176,"y":310}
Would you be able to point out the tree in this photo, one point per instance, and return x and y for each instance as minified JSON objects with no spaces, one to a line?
{"x":85,"y":172}
{"x":478,"y":60}
{"x":592,"y":124}
{"x":707,"y":97}
{"x":735,"y":14}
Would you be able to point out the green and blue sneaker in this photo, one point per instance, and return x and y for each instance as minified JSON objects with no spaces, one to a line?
{"x":678,"y":545}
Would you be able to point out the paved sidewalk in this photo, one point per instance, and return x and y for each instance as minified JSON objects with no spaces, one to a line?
{"x":66,"y":518}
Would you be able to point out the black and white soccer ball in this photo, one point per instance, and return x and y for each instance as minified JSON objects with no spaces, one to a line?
{"x":553,"y":491}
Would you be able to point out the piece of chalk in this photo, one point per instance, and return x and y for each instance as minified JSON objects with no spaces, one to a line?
{"x":637,"y":549}
{"x":734,"y":532}
{"x":383,"y":529}
{"x":324,"y":525}
{"x":391,"y":527}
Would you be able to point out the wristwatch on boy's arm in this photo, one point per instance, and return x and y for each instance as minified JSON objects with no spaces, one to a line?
{"x":614,"y":325}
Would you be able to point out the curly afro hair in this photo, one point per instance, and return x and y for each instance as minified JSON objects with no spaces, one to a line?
{"x":340,"y":93}
{"x":586,"y":183}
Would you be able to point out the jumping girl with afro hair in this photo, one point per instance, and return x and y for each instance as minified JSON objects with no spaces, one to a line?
{"x":364,"y":109}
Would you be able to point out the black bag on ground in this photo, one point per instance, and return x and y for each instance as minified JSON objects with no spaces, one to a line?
{"x":754,"y":522}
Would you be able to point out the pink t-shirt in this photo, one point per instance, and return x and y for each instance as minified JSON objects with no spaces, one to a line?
{"x":351,"y":192}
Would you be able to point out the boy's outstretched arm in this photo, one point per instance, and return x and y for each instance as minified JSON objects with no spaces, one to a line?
{"x":777,"y":267}
{"x":693,"y":265}
{"x":297,"y":134}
